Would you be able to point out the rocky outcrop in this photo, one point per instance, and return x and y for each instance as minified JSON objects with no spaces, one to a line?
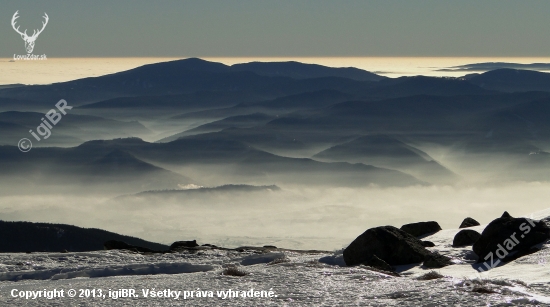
{"x":508,"y":234}
{"x":466,"y":237}
{"x":468,"y":222}
{"x":388,"y":243}
{"x":421,"y":228}
{"x":183,"y":244}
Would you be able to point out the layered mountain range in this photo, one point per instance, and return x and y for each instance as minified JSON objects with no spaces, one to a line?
{"x":171,"y":124}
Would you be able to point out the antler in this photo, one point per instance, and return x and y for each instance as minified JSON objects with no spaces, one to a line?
{"x":44,"y":23}
{"x":15,"y":16}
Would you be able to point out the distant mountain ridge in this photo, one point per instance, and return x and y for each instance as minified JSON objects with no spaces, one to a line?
{"x":187,"y":76}
{"x":498,"y":65}
{"x":299,"y":70}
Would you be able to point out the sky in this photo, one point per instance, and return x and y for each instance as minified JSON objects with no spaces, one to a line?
{"x":280,"y":28}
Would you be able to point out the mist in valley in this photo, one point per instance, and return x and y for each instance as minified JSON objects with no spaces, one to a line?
{"x":293,"y":217}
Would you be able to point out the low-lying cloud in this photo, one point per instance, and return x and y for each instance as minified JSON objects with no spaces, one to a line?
{"x":305,"y":218}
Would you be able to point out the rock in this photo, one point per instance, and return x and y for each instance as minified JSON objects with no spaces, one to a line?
{"x":468,"y":222}
{"x":421,"y":228}
{"x":506,"y":234}
{"x":427,"y":243}
{"x":183,"y":244}
{"x":435,"y":261}
{"x":466,"y":237}
{"x":270,"y":246}
{"x":520,"y":254}
{"x":380,"y":264}
{"x":114,"y":244}
{"x":390,"y":244}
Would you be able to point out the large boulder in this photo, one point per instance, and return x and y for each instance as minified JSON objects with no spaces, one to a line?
{"x":508,"y":234}
{"x":388,"y":243}
{"x":466,"y":237}
{"x":421,"y":228}
{"x":468,"y":222}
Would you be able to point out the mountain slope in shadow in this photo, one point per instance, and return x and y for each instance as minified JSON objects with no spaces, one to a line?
{"x":239,"y":121}
{"x":422,"y":85}
{"x":299,"y":70}
{"x":512,"y":80}
{"x":72,"y":129}
{"x":19,"y":237}
{"x":119,"y":166}
{"x":274,"y":107}
{"x":89,"y":170}
{"x":389,"y":152}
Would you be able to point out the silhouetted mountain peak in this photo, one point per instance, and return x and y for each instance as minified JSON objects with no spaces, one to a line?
{"x":191,"y":64}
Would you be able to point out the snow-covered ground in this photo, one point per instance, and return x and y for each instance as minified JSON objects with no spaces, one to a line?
{"x":294,"y":279}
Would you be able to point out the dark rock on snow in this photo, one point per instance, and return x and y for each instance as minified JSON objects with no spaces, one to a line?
{"x":468,"y":222}
{"x":523,"y":253}
{"x":435,"y":260}
{"x":388,"y":243}
{"x":421,"y":228}
{"x":210,"y":245}
{"x":507,"y":234}
{"x":427,"y":243}
{"x":183,"y":244}
{"x":466,"y":237}
{"x":114,"y":244}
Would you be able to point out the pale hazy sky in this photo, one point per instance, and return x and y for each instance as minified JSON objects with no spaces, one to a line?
{"x":243,"y":28}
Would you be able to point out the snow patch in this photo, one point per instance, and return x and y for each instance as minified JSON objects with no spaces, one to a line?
{"x":125,"y":270}
{"x":262,"y":258}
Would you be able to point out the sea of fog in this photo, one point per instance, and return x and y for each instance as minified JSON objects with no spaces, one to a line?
{"x":65,"y":69}
{"x":294,"y":217}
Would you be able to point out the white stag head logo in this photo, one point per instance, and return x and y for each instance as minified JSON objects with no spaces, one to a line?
{"x":29,"y":40}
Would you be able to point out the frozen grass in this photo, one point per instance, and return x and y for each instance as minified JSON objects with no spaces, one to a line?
{"x":234,"y":271}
